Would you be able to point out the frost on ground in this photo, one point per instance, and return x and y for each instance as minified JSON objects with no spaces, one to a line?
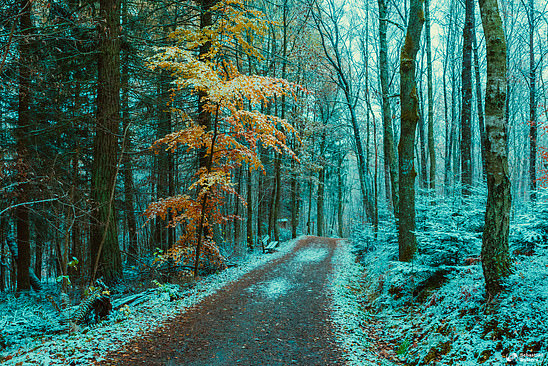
{"x":26,"y":323}
{"x":311,"y":255}
{"x":348,"y":313}
{"x":433,"y":310}
{"x":276,"y":288}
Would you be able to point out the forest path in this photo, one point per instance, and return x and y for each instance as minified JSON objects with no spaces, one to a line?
{"x":277,"y":314}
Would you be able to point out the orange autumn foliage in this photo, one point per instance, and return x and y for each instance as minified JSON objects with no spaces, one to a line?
{"x":234,"y":101}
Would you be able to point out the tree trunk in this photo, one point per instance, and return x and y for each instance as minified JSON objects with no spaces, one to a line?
{"x":3,"y":259}
{"x":41,"y":229}
{"x":164,"y":159}
{"x":495,"y":252}
{"x":431,"y":147}
{"x":129,"y":189}
{"x":249,"y":210}
{"x":447,"y":162}
{"x":278,"y":193}
{"x":236,"y":234}
{"x":309,"y":220}
{"x":423,"y":177}
{"x":390,"y":159}
{"x":204,"y":117}
{"x":260,"y":206}
{"x":479,"y":101}
{"x":22,"y":133}
{"x":375,"y":181}
{"x":409,"y":119}
{"x":295,"y":201}
{"x":320,"y":201}
{"x":105,"y":253}
{"x":532,"y":106}
{"x":466,"y":112}
{"x":340,"y":189}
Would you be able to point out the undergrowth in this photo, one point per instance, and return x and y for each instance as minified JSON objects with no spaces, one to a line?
{"x":434,"y":309}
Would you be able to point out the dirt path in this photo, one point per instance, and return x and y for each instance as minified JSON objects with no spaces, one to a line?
{"x":275,"y":315}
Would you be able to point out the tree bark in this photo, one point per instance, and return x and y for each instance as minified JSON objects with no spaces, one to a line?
{"x":532,"y":105}
{"x":105,"y":253}
{"x":22,"y":133}
{"x":422,"y":146}
{"x":431,"y":147}
{"x":249,"y":221}
{"x":340,"y":189}
{"x":390,"y":159}
{"x":479,"y":101}
{"x":164,"y":159}
{"x":236,"y":234}
{"x":495,"y":252}
{"x":260,"y":204}
{"x":277,"y":196}
{"x":129,"y":187}
{"x":204,"y":117}
{"x":295,"y":200}
{"x":466,"y":111}
{"x":409,"y":119}
{"x":320,"y":201}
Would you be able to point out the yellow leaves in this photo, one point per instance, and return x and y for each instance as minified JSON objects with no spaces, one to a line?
{"x":206,"y":181}
{"x":192,"y":137}
{"x":234,"y":102}
{"x":234,"y":25}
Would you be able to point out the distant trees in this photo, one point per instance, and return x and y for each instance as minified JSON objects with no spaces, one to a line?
{"x":80,"y":107}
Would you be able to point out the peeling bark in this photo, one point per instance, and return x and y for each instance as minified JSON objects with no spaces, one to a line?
{"x":495,"y":251}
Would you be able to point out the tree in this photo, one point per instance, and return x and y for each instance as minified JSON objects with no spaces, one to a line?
{"x":431,"y":150}
{"x":479,"y":99}
{"x":336,"y":50}
{"x":466,"y":107}
{"x":23,"y":126}
{"x":532,"y":103}
{"x":105,"y":253}
{"x":390,"y":159}
{"x":233,"y":101}
{"x":495,"y":252}
{"x":409,"y":119}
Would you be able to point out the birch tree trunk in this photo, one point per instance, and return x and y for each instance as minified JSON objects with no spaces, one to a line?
{"x":495,"y":253}
{"x":409,"y":119}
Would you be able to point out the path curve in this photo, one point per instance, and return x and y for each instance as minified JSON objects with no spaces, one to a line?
{"x":277,"y":314}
